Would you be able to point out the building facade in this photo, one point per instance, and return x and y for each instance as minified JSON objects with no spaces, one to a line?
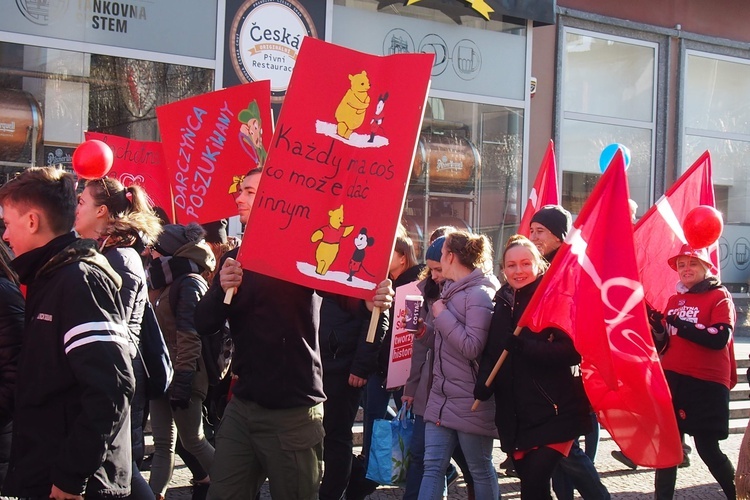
{"x":669,"y":80}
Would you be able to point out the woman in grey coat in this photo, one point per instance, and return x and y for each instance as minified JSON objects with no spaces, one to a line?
{"x":461,"y":321}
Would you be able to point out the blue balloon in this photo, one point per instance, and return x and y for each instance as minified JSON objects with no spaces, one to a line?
{"x":609,"y":152}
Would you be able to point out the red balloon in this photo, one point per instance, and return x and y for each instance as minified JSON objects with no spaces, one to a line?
{"x":92,"y":159}
{"x":702,"y":226}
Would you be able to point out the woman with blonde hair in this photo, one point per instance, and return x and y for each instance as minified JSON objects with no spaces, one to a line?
{"x":462,"y":317}
{"x":122,"y":221}
{"x":540,"y":406}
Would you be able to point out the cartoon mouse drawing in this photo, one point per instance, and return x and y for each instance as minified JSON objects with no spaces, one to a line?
{"x":376,"y":123}
{"x":361,"y":242}
{"x":329,"y":238}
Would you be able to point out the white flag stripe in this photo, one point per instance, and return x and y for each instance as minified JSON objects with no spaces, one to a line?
{"x":94,"y":326}
{"x":578,"y":247}
{"x":665,"y":209}
{"x":95,"y":338}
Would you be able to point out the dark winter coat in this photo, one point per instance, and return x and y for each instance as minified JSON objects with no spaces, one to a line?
{"x":274,"y":325}
{"x":11,"y":336}
{"x":538,"y":400}
{"x":344,"y":322}
{"x":75,"y":378}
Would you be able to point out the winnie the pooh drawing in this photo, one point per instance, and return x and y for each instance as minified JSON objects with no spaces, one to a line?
{"x":330,"y":237}
{"x":350,"y":112}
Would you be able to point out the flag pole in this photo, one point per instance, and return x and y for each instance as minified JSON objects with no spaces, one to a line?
{"x":496,"y":369}
{"x":373,"y":324}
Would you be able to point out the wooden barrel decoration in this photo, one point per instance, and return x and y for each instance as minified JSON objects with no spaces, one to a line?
{"x":451,"y":161}
{"x":20,"y":116}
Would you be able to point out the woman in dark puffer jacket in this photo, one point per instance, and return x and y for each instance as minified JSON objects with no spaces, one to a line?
{"x":120,"y":219}
{"x":11,"y":335}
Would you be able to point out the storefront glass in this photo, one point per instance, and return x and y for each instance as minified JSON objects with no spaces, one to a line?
{"x":50,"y":97}
{"x":716,"y":117}
{"x":608,"y":96}
{"x":468,"y":167}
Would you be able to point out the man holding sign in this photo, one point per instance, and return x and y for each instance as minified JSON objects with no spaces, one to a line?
{"x":273,"y":426}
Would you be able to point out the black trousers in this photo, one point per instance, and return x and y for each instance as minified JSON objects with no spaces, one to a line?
{"x":339,"y":412}
{"x":535,"y":471}
{"x":717,"y":462}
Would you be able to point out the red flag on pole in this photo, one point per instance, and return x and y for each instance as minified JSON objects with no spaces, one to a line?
{"x":591,"y":291}
{"x":658,"y":234}
{"x":544,"y":191}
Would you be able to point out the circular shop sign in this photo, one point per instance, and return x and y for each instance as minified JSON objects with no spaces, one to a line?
{"x":42,"y":13}
{"x":265,"y":39}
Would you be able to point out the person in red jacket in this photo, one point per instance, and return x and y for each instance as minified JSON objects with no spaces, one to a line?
{"x":695,"y":336}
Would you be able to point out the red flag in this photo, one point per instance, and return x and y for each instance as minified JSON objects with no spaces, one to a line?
{"x":544,"y":191}
{"x":658,"y":234}
{"x":591,"y":291}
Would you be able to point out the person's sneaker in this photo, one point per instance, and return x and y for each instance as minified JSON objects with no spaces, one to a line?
{"x":685,"y":461}
{"x":620,"y":457}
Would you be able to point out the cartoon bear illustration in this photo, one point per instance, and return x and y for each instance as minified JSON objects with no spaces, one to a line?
{"x":361,"y":242}
{"x":330,"y":237}
{"x":350,"y":112}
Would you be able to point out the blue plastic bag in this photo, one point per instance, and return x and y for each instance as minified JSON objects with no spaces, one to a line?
{"x":389,"y":449}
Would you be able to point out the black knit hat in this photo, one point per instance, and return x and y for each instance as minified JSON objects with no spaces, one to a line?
{"x":555,"y":218}
{"x":216,"y":232}
{"x":175,"y":236}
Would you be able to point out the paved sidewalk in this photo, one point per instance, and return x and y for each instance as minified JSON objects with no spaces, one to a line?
{"x":694,"y":482}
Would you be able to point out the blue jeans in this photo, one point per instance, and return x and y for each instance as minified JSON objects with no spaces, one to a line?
{"x":578,"y":471}
{"x":416,"y":463}
{"x":591,"y":440}
{"x":439,"y":445}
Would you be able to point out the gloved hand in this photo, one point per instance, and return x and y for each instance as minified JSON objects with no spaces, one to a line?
{"x":481,"y":391}
{"x":679,"y":326}
{"x":181,"y":389}
{"x":655,"y":319}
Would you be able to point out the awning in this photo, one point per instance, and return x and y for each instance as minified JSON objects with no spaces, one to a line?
{"x":539,"y":11}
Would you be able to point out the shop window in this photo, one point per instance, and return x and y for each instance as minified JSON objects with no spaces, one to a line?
{"x":466,"y":172}
{"x":717,"y":118}
{"x":608,"y":96}
{"x":50,"y":97}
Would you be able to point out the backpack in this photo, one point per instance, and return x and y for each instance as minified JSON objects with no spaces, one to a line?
{"x":217,"y":348}
{"x":154,"y":355}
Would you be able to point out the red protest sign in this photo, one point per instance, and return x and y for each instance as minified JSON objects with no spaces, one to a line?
{"x":210,"y":141}
{"x":331,"y":193}
{"x":142,"y":163}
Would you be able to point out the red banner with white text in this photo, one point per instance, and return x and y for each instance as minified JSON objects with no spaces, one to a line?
{"x":210,"y":142}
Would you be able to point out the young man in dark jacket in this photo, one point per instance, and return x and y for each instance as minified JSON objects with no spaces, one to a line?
{"x":273,"y":426}
{"x":71,"y":433}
